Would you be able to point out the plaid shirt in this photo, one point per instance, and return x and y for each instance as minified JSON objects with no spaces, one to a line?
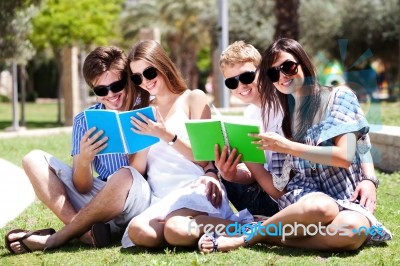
{"x":344,"y":115}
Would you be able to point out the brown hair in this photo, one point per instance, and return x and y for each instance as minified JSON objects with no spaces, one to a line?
{"x":107,"y":58}
{"x":152,"y":52}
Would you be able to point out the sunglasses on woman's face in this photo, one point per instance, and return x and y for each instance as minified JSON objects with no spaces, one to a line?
{"x":115,"y":87}
{"x":149,"y":73}
{"x":288,"y":68}
{"x":245,"y":78}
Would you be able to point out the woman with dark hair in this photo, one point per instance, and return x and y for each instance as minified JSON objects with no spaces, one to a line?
{"x":316,"y":160}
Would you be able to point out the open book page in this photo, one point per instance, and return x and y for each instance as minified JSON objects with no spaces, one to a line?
{"x":219,"y":116}
{"x":237,"y":133}
{"x":136,"y":142}
{"x":106,"y":120}
{"x":117,"y":127}
{"x":203,"y":135}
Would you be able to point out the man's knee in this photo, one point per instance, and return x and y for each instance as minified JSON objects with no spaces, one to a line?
{"x":32,"y":158}
{"x":122,"y":178}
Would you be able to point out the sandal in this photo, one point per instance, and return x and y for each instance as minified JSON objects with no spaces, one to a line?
{"x":213,"y":237}
{"x":41,"y":232}
{"x":101,"y":234}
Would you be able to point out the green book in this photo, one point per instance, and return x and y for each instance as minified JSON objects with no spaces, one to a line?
{"x":205,"y":133}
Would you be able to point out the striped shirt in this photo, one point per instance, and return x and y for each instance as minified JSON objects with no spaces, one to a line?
{"x":105,"y":164}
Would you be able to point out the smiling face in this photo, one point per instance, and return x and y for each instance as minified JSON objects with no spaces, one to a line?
{"x":112,"y":101}
{"x":248,"y":93}
{"x":153,"y":86}
{"x":288,"y":84}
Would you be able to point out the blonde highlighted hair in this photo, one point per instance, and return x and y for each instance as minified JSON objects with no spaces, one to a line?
{"x":239,"y":52}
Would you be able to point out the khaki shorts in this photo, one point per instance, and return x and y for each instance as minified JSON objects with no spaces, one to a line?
{"x":138,"y":199}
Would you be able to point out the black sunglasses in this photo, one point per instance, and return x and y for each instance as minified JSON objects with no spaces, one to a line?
{"x":115,"y":87}
{"x":288,"y":68}
{"x":246,"y":78}
{"x":149,"y":73}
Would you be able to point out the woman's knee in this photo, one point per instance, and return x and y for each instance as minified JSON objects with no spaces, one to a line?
{"x":323,"y":208}
{"x":143,"y":234}
{"x":176,"y":228}
{"x":181,"y":231}
{"x":137,"y":233}
{"x":353,"y":227}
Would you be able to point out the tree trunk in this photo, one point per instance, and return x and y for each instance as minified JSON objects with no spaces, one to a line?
{"x":70,"y":84}
{"x":287,"y":19}
{"x":58,"y":59}
{"x":23,"y":79}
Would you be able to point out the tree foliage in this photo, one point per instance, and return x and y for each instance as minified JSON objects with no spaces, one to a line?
{"x":252,"y":21}
{"x":185,"y":27}
{"x":63,"y":23}
{"x":15,"y":26}
{"x":190,"y":26}
{"x":365,"y":25}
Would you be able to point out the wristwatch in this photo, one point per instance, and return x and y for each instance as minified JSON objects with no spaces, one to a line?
{"x":172,"y":142}
{"x":371,"y":178}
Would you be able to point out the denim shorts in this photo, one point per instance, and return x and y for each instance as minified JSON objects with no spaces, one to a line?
{"x":251,"y":197}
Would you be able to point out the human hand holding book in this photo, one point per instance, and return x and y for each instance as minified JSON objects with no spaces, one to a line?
{"x":117,"y":127}
{"x":204,"y":134}
{"x":146,"y":126}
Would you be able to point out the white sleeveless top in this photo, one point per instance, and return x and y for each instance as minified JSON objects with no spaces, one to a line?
{"x":169,"y":176}
{"x":167,"y":169}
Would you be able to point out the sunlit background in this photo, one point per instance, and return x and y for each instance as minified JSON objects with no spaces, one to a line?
{"x":43,"y":40}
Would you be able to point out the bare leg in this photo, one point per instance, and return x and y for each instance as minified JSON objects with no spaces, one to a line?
{"x":310,"y":210}
{"x":334,"y":240}
{"x":48,"y":187}
{"x":107,"y":204}
{"x":147,"y":231}
{"x":184,"y":227}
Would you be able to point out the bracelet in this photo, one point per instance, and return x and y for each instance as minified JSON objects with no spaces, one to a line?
{"x":212,"y":170}
{"x":371,"y":178}
{"x":172,"y":142}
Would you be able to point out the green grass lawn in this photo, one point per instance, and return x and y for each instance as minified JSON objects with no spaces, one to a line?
{"x":38,"y":216}
{"x":37,"y":115}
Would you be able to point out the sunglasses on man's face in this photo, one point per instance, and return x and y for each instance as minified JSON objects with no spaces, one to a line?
{"x":115,"y":87}
{"x":149,"y":73}
{"x":245,"y":78}
{"x":288,"y":68}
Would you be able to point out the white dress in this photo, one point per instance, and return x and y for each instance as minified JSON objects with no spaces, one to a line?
{"x":171,"y":177}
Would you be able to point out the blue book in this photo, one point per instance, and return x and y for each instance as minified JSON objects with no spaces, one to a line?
{"x":117,"y":127}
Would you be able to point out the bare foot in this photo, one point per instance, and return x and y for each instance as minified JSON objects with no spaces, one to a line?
{"x":210,"y":243}
{"x":32,"y":243}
